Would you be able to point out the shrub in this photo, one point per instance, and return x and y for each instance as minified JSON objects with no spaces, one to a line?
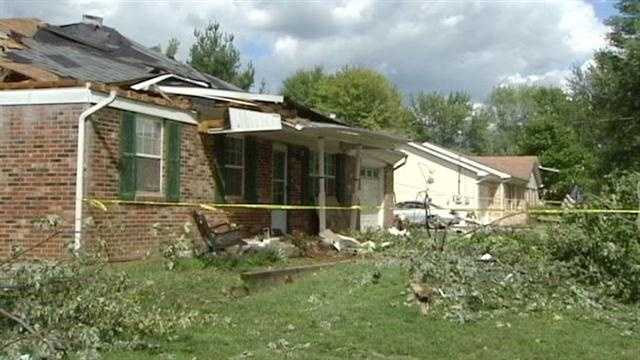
{"x":77,"y":307}
{"x":605,"y":247}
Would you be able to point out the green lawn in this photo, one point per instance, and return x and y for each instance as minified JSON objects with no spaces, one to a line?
{"x":340,"y":313}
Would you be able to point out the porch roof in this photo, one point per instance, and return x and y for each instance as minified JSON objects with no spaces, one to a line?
{"x":351,"y":135}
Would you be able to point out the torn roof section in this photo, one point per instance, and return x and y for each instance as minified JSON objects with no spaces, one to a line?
{"x":87,"y":51}
{"x":34,"y":53}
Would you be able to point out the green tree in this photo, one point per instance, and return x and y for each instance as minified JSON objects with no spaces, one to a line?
{"x":610,"y":90}
{"x":172,"y":48}
{"x":359,"y":96}
{"x":552,"y":135}
{"x":304,"y":85}
{"x":214,"y":53}
{"x":441,"y":119}
{"x":477,"y":134}
{"x":541,"y":121}
{"x":509,"y":109}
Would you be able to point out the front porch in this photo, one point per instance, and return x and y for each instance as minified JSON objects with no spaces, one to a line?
{"x":307,"y":163}
{"x":503,"y":200}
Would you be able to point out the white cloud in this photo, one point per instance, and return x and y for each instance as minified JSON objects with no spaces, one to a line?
{"x":286,"y":46}
{"x":439,"y":45}
{"x":452,"y":20}
{"x":351,"y":11}
{"x":553,"y":77}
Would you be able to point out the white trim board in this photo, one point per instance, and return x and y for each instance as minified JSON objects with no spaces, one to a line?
{"x":237,"y":95}
{"x":463,"y":159}
{"x":148,"y":83}
{"x":443,"y":154}
{"x":82,"y":95}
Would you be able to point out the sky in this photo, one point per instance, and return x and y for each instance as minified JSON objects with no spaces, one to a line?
{"x":429,"y":45}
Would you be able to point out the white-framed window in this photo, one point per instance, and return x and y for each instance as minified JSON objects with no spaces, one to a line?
{"x":329,"y":174}
{"x":234,"y":165}
{"x":149,"y":162}
{"x":279,"y":174}
{"x":369,"y":173}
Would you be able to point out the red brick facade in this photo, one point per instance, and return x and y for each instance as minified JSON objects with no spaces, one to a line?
{"x":37,"y":175}
{"x":37,"y":178}
{"x":131,"y":231}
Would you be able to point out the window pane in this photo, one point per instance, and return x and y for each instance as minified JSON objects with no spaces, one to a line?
{"x":330,"y":186}
{"x":148,"y":135}
{"x":233,"y":182}
{"x":278,"y":164}
{"x":148,"y":174}
{"x":234,"y":151}
{"x":278,"y":192}
{"x":330,"y":164}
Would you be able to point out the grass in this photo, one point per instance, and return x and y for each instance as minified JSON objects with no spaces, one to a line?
{"x":341,"y":312}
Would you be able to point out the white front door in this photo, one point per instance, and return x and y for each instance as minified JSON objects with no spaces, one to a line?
{"x":371,"y":197}
{"x":279,"y":188}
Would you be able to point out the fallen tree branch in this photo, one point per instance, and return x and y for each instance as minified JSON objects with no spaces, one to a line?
{"x":18,"y":254}
{"x":29,"y":328}
{"x":493,"y":222}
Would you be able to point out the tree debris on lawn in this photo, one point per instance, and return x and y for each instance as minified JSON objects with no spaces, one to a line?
{"x":490,"y":274}
{"x":421,"y":295}
{"x":257,"y":244}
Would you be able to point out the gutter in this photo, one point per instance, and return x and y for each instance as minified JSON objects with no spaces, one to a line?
{"x":553,"y":170}
{"x":80,"y":166}
{"x":403,"y":163}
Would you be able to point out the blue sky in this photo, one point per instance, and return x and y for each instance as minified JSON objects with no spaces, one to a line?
{"x":604,"y":8}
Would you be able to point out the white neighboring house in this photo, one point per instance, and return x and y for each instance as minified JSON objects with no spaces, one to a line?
{"x":490,"y":187}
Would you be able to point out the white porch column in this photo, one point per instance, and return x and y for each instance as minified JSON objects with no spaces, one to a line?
{"x":322,"y":198}
{"x":503,"y":203}
{"x":355,"y":197}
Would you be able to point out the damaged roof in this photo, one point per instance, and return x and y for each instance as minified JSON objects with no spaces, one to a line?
{"x":519,"y":167}
{"x":87,"y":52}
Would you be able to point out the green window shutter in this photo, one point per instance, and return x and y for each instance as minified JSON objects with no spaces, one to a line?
{"x":128,"y":156}
{"x":173,"y":136}
{"x":307,"y":196}
{"x":219,"y":161}
{"x":341,"y":193}
{"x":250,"y":170}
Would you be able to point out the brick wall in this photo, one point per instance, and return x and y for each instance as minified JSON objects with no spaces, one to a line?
{"x":132,"y":231}
{"x":37,"y":178}
{"x":37,"y":175}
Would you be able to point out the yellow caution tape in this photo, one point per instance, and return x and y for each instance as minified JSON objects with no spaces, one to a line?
{"x":102,"y":205}
{"x":583,"y":211}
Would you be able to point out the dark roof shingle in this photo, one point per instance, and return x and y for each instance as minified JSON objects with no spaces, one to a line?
{"x":89,"y":52}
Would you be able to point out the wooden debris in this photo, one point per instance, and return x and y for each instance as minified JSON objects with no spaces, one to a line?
{"x":423,"y":296}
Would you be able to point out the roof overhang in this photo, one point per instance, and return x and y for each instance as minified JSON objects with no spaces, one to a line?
{"x":386,"y":156}
{"x":219,"y":94}
{"x":84,"y":95}
{"x":479,"y":169}
{"x":347,"y":134}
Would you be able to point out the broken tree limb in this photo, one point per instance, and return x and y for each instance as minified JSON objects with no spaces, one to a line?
{"x":12,"y":258}
{"x":493,"y":222}
{"x":29,"y":328}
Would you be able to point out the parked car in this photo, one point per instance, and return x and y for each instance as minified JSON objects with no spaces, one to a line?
{"x":414,"y":212}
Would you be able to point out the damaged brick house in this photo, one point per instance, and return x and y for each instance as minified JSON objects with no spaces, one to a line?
{"x":156,"y":139}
